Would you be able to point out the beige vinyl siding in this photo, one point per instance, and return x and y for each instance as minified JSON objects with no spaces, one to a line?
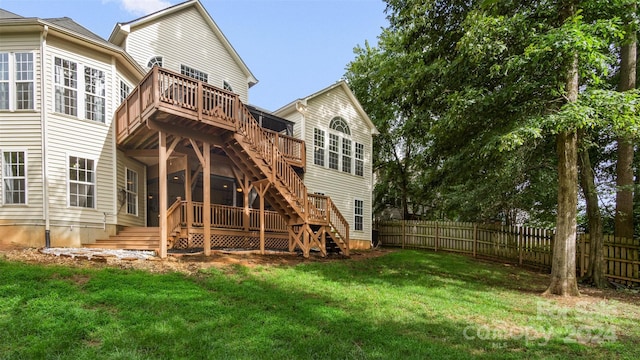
{"x":297,"y":118}
{"x":185,"y":38}
{"x":20,"y":42}
{"x":21,"y":131}
{"x":125,"y":219}
{"x":321,"y":109}
{"x":72,"y":136}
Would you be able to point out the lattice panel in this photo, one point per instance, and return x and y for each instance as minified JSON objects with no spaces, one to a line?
{"x":196,"y":241}
{"x":276,"y":243}
{"x":234,"y":242}
{"x":181,"y":243}
{"x":219,"y":241}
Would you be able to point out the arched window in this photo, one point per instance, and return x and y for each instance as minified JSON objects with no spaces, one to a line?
{"x":340,"y":124}
{"x":227,"y":86}
{"x":340,"y":148}
{"x":339,"y":145}
{"x":156,"y":60}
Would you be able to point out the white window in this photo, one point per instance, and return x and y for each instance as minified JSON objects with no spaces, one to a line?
{"x":16,"y":81}
{"x":95,"y":92}
{"x":82,"y":182}
{"x":80,"y":90}
{"x":359,"y":159}
{"x":334,"y":151}
{"x":196,"y":74}
{"x":227,"y":86}
{"x":14,"y":177}
{"x":339,"y":124}
{"x":132,"y":192}
{"x":156,"y":60}
{"x":318,"y":147}
{"x":124,"y":91}
{"x":4,"y":81}
{"x":340,"y":152}
{"x":66,"y":83}
{"x":359,"y":215}
{"x":346,"y":155}
{"x":24,"y":81}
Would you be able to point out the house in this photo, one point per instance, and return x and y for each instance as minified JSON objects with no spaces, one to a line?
{"x":147,"y":141}
{"x":337,"y":129}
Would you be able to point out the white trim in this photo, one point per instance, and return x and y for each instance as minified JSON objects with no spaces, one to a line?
{"x":324,"y":147}
{"x":194,"y":73}
{"x":356,"y":215}
{"x":155,"y":59}
{"x":13,"y":81}
{"x":78,"y":86}
{"x":95,"y":183}
{"x":127,"y":192}
{"x":3,"y":176}
{"x":81,"y":93}
{"x":226,"y":83}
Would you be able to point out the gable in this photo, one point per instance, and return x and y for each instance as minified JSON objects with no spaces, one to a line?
{"x":186,"y":35}
{"x":337,"y":98}
{"x":336,"y":103}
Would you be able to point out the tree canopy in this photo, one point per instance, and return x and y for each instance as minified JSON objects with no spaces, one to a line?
{"x":481,"y":103}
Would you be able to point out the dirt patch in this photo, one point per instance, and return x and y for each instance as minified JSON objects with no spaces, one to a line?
{"x":184,"y":263}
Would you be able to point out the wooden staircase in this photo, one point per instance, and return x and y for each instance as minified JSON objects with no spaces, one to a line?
{"x":173,"y":103}
{"x":131,"y":238}
{"x":252,"y":150}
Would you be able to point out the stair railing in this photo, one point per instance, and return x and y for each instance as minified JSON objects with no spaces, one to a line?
{"x":338,"y":222}
{"x":263,"y":144}
{"x":174,"y":215}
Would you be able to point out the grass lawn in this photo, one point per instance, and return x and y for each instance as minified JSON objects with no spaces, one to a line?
{"x":403,"y":305}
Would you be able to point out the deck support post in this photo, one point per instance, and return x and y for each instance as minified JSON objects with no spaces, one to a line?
{"x":189,"y":198}
{"x":306,"y":250}
{"x":206,"y":174}
{"x":162,"y":157}
{"x":261,"y":187}
{"x":205,"y":161}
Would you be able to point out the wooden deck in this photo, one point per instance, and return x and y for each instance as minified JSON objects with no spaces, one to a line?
{"x":169,"y":112}
{"x":190,"y":107}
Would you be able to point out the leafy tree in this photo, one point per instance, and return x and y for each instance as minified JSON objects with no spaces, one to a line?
{"x":487,"y":88}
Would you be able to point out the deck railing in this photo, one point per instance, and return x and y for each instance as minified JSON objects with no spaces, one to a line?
{"x":338,"y":222}
{"x":174,"y":215}
{"x":322,"y":208}
{"x":291,"y":148}
{"x":273,"y":221}
{"x":232,"y":217}
{"x":197,"y":100}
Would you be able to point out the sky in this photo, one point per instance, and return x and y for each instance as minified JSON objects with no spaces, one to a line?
{"x":293,"y":47}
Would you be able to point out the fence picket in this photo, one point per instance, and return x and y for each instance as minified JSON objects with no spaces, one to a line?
{"x":518,"y":244}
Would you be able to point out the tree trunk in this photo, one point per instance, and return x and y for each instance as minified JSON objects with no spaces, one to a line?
{"x":563,"y":265}
{"x":636,"y":200}
{"x":595,"y":272}
{"x":624,"y":166}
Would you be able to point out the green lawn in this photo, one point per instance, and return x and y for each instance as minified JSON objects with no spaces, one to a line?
{"x":404,"y":305}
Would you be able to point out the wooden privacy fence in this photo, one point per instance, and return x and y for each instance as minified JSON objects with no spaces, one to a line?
{"x":523,"y":245}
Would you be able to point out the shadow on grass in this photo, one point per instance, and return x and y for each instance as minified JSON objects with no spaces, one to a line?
{"x":408,"y":267}
{"x":310,"y":311}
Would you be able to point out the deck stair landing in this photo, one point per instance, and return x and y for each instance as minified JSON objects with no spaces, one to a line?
{"x":131,"y":238}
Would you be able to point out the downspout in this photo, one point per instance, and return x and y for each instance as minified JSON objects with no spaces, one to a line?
{"x":301,"y":107}
{"x":43,"y":122}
